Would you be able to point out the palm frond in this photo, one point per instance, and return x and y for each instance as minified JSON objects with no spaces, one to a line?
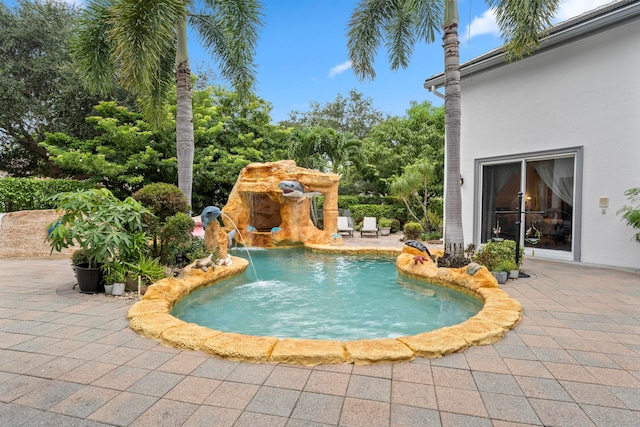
{"x":231,"y":34}
{"x":401,"y":36}
{"x":92,"y":48}
{"x":523,"y":24}
{"x":142,"y":32}
{"x":397,"y":23}
{"x":365,"y":33}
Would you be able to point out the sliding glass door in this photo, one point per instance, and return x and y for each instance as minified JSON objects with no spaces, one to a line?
{"x":548,"y":187}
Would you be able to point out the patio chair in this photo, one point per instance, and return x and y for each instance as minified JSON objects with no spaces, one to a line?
{"x":344,"y":226}
{"x":369,"y":225}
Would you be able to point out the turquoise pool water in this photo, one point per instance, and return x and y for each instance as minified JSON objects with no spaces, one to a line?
{"x":303,"y":294}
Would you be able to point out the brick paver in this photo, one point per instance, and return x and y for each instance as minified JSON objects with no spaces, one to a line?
{"x":69,"y":359}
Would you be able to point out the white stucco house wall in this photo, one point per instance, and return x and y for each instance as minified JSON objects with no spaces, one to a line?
{"x":563,"y":127}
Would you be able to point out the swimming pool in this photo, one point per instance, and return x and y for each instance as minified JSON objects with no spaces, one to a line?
{"x":305,"y":294}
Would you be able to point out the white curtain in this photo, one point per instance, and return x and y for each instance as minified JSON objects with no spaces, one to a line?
{"x":558,"y":176}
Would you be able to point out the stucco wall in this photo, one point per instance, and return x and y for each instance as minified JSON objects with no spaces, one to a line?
{"x":586,"y":93}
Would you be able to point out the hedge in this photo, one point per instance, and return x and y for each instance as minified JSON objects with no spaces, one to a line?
{"x":19,"y":194}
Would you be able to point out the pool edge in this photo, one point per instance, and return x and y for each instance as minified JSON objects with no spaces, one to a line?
{"x":150,"y":317}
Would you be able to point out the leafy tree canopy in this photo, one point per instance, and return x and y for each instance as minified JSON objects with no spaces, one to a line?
{"x":127,"y":153}
{"x":41,"y":90}
{"x":355,"y":114}
{"x":400,"y":141}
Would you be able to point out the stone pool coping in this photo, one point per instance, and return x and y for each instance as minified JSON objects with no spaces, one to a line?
{"x":151,"y":318}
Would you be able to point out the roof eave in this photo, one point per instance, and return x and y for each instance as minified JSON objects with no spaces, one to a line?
{"x":561,"y":33}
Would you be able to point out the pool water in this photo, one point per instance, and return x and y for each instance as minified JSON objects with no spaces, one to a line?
{"x":303,"y":294}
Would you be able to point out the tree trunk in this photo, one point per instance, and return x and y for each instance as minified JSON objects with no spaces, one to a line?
{"x":453,"y":236}
{"x":184,"y":116}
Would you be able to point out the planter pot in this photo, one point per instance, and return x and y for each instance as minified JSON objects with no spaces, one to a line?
{"x":385,"y":231}
{"x":118,"y":289}
{"x":513,"y":274}
{"x":131,"y":284}
{"x":89,"y":279}
{"x":108,"y":289}
{"x":501,"y":276}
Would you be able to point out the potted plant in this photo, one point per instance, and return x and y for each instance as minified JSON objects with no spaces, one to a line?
{"x":143,"y":272}
{"x":115,"y":274}
{"x":495,"y":254}
{"x":385,"y":226}
{"x":510,"y":267}
{"x":102,"y":226}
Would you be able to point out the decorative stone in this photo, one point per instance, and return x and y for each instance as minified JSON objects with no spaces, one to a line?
{"x":308,"y":352}
{"x":473,"y":268}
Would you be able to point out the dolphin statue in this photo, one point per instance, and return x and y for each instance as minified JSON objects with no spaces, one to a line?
{"x":295,"y":190}
{"x":209,"y":214}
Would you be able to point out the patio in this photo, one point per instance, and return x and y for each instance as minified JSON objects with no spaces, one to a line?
{"x":70,"y":359}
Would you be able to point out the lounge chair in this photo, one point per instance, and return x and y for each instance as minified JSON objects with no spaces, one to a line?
{"x":344,"y":226}
{"x":369,"y":225}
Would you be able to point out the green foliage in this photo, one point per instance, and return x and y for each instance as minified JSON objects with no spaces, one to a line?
{"x":163,"y":200}
{"x":413,"y":230}
{"x":106,"y":228}
{"x":125,"y":154}
{"x":355,"y":114}
{"x":494,"y":252}
{"x":413,"y":188}
{"x":506,"y":265}
{"x":395,"y":225}
{"x":198,"y":250}
{"x":400,"y":141}
{"x":175,"y":236}
{"x":148,"y":268}
{"x":631,"y":213}
{"x":379,"y":211}
{"x":432,"y":235}
{"x":17,"y":194}
{"x":385,"y":222}
{"x":40,"y":86}
{"x":114,"y":272}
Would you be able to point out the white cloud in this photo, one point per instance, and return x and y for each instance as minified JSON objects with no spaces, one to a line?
{"x":570,"y":8}
{"x":338,"y":69}
{"x":484,"y":24}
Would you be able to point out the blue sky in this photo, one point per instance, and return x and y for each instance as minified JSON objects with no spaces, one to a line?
{"x":302,"y":54}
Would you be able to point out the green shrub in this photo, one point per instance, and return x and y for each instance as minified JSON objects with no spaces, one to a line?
{"x":106,"y":228}
{"x":163,"y":201}
{"x":385,"y":222}
{"x":395,"y":225}
{"x":413,"y":230}
{"x":631,"y":214}
{"x":432,"y":235}
{"x":507,"y":265}
{"x":493,"y":253}
{"x":175,"y":236}
{"x":20,"y":194}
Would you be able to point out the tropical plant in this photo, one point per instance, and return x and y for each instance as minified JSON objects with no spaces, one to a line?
{"x":401,"y":24}
{"x":105,"y":228}
{"x":412,"y":187}
{"x":144,"y":44}
{"x":147,"y":268}
{"x":114,"y":272}
{"x":631,"y":213}
{"x":495,"y":252}
{"x":506,"y":265}
{"x":412,"y":230}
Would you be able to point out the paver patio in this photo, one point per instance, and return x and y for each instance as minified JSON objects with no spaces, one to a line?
{"x":69,"y":359}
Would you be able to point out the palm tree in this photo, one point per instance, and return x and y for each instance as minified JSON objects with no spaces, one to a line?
{"x":402,"y":23}
{"x":142,"y":45}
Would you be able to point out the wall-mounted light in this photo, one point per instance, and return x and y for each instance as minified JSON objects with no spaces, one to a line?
{"x":461,"y":180}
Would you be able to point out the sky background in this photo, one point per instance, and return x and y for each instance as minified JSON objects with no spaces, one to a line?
{"x":302,"y":54}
